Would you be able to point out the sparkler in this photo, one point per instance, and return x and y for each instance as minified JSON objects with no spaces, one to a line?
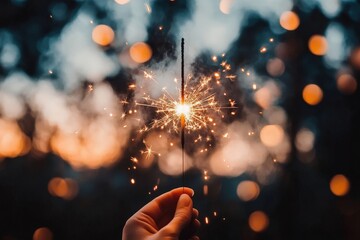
{"x":194,"y":111}
{"x":183,"y":109}
{"x":191,"y":110}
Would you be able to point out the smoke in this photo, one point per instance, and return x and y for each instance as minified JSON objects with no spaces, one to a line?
{"x":215,"y":25}
{"x":87,"y":129}
{"x":79,"y":117}
{"x":76,"y":58}
{"x":13,"y":95}
{"x":131,"y":17}
{"x":134,"y":19}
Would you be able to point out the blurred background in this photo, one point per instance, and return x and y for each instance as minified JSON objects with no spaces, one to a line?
{"x":88,"y":134}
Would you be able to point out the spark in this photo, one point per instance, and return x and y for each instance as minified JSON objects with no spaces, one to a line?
{"x":149,"y":75}
{"x":132,"y":181}
{"x":231,"y":77}
{"x":91,"y":88}
{"x":206,"y":176}
{"x":200,"y":101}
{"x":148,"y":8}
{"x":232,"y":102}
{"x":134,"y":159}
{"x":205,"y":190}
{"x":251,"y":133}
{"x":132,"y":86}
{"x":149,"y":151}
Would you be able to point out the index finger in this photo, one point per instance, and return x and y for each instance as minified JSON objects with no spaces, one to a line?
{"x":168,"y":200}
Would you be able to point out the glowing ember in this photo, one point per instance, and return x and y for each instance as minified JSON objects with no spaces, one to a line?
{"x":183,"y":110}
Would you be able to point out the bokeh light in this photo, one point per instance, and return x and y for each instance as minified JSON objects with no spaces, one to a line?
{"x":43,"y":233}
{"x":275,"y":67}
{"x":346,"y":83}
{"x":171,"y":164}
{"x":289,"y":20}
{"x":94,"y":146}
{"x":225,"y":163}
{"x":63,"y":188}
{"x":355,"y":57}
{"x":140,"y":52}
{"x":318,"y":45}
{"x":258,"y":221}
{"x":225,"y":6}
{"x":339,"y":185}
{"x":13,"y":142}
{"x":103,"y":35}
{"x":272,"y":135}
{"x":248,"y":190}
{"x":304,"y":140}
{"x":266,"y":96}
{"x":275,"y":115}
{"x":312,"y":94}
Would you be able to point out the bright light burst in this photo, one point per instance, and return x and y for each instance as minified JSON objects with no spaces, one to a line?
{"x":183,"y":110}
{"x":199,"y":103}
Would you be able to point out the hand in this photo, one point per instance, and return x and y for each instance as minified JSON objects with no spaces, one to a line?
{"x":170,"y":216}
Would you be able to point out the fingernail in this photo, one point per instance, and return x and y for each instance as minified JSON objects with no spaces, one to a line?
{"x":196,"y":212}
{"x":192,"y":192}
{"x":185,"y":200}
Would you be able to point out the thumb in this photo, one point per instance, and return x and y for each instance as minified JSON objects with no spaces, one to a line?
{"x":183,"y":214}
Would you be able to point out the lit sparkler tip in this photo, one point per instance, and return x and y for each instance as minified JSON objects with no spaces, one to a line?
{"x":183,"y":110}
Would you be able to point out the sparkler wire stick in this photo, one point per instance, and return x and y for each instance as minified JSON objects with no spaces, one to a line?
{"x":182,"y":117}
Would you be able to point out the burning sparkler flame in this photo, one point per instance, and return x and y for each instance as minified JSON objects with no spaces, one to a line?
{"x":183,"y":110}
{"x":200,"y":102}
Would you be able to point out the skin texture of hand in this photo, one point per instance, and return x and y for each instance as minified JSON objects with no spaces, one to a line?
{"x":170,"y":216}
